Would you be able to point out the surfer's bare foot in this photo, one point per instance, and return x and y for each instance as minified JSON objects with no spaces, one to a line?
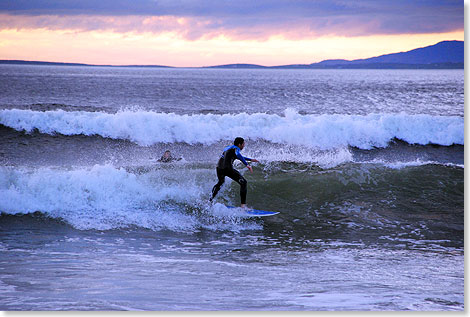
{"x":243,"y":206}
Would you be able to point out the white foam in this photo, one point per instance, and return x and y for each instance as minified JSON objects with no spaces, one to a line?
{"x":105,"y":197}
{"x":313,"y":131}
{"x":418,"y":162}
{"x":301,"y":154}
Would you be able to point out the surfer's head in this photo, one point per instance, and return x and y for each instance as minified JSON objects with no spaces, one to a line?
{"x":240,"y":142}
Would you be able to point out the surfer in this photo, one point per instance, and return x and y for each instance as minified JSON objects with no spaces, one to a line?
{"x":225,"y":168}
{"x":167,"y":157}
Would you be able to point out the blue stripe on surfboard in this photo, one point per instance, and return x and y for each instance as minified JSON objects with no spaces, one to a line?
{"x":257,"y":212}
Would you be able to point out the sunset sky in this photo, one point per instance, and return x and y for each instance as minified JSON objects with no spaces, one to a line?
{"x":201,"y":33}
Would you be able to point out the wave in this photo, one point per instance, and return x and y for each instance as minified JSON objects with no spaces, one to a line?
{"x":104,"y":197}
{"x":313,"y":131}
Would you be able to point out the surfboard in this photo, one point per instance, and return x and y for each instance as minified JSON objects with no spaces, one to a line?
{"x":256,"y":212}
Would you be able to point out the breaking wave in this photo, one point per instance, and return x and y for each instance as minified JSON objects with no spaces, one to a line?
{"x":104,"y":197}
{"x":313,"y":131}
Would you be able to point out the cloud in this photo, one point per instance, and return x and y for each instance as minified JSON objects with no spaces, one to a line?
{"x":241,"y":19}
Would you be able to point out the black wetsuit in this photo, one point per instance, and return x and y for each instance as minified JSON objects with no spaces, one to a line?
{"x":225,"y":168}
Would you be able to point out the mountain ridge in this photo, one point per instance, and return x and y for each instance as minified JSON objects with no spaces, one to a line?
{"x":442,"y":55}
{"x":439,"y":53}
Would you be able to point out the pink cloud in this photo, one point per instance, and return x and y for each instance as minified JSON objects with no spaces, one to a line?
{"x":234,"y":27}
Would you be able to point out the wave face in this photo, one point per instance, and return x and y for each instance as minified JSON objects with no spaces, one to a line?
{"x":350,"y":199}
{"x":314,"y":131}
{"x":105,"y":197}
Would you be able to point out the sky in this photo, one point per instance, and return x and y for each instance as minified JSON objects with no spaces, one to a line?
{"x":194,"y":33}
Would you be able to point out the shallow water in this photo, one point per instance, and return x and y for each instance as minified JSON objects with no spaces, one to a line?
{"x":52,"y":266}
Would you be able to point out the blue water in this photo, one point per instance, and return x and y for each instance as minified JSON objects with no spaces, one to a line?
{"x":366,"y":168}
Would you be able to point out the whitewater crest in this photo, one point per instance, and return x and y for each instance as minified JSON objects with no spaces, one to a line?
{"x":314,"y":131}
{"x":103,"y":197}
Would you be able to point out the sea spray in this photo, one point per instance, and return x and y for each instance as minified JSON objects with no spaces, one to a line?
{"x":106,"y":197}
{"x":313,"y":131}
{"x":100,"y":197}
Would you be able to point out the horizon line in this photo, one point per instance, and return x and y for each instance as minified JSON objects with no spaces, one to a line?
{"x":227,"y":65}
{"x":250,"y":66}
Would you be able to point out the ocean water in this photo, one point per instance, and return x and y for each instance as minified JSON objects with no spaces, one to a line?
{"x":366,"y":168}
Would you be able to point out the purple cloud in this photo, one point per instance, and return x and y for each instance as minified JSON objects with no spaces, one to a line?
{"x":242,"y":18}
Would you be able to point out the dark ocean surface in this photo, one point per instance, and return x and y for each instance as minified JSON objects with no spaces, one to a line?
{"x":366,"y":168}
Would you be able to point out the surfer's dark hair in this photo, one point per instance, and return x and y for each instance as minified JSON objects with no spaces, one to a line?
{"x":238,"y":141}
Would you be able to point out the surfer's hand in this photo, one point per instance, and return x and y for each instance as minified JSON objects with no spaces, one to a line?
{"x":250,"y":168}
{"x":254,"y":160}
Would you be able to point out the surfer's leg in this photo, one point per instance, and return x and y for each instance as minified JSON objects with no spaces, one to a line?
{"x":236,"y":176}
{"x":216,"y":188}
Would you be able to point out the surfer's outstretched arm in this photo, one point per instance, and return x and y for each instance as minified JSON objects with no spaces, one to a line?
{"x":244,"y":159}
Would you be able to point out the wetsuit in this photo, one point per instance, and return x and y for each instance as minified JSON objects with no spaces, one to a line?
{"x":225,"y":168}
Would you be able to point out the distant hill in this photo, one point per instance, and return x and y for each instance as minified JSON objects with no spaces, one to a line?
{"x":442,"y":52}
{"x":237,"y":66}
{"x":443,"y":55}
{"x":21,"y":62}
